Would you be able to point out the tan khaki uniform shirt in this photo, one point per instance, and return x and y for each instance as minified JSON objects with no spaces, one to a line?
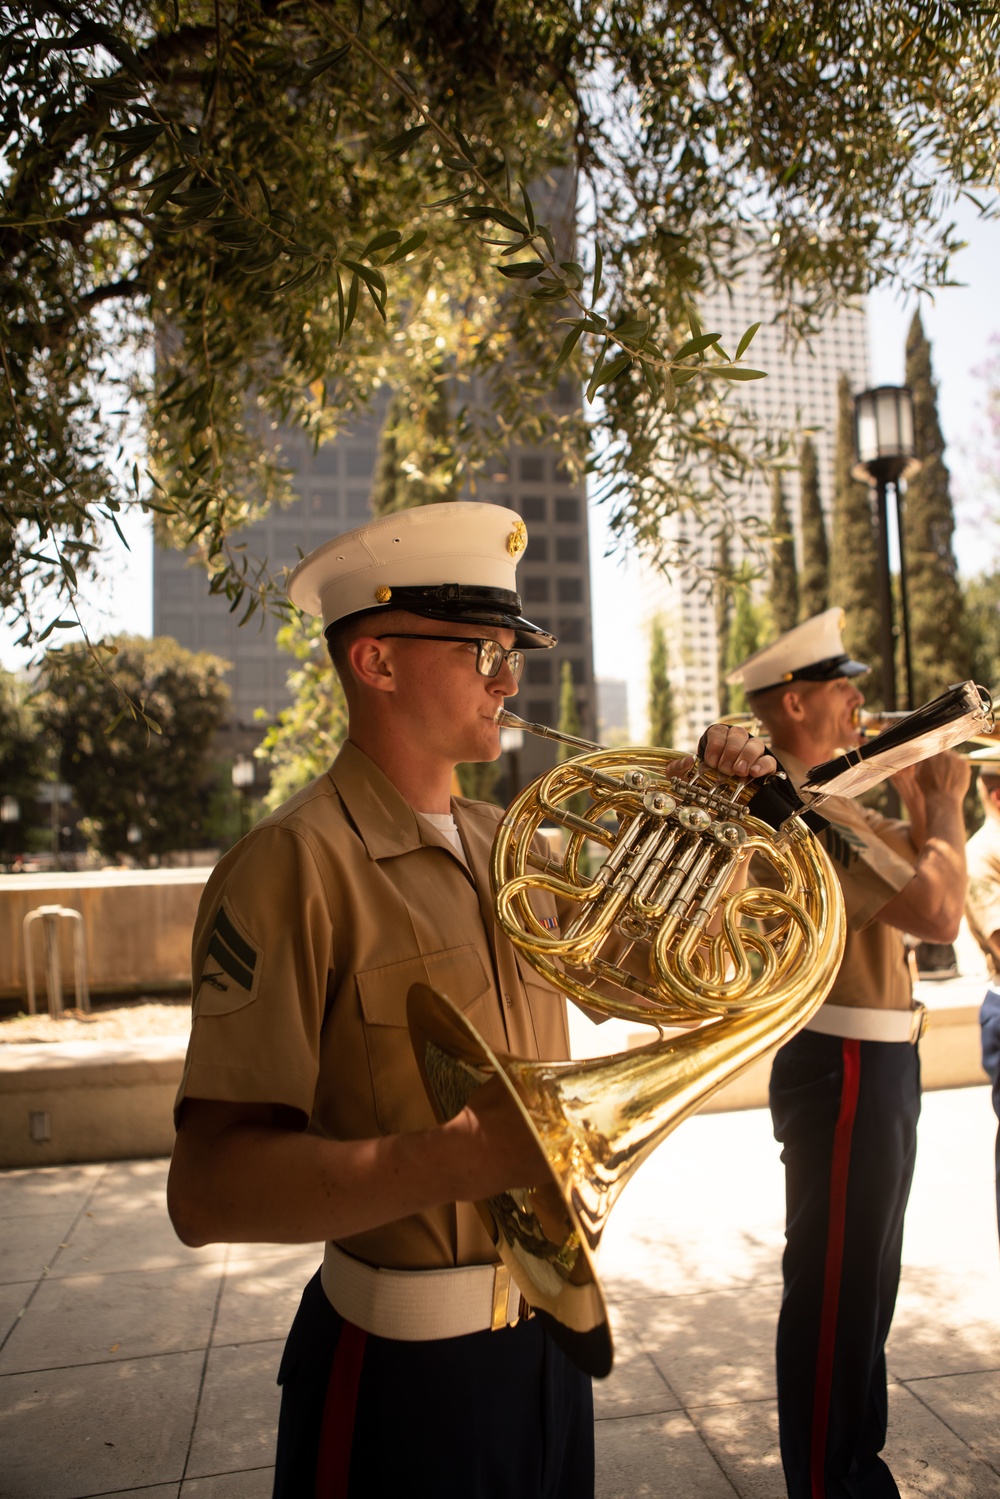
{"x":982,"y":900}
{"x":309,"y":935}
{"x":874,"y":859}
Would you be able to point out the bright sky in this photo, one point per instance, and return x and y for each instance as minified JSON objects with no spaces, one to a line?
{"x":960,"y":323}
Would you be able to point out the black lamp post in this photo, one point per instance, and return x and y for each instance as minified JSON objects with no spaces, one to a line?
{"x":883,"y":423}
{"x":511,"y":743}
{"x":10,"y":815}
{"x":244,"y":775}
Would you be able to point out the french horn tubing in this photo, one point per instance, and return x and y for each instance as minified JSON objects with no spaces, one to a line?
{"x":663,"y":932}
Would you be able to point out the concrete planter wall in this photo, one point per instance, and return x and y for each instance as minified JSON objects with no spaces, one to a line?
{"x":87,"y":1100}
{"x":138,"y":925}
{"x":101,"y":1101}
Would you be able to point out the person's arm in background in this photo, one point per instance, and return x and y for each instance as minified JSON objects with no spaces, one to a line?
{"x":930,"y":906}
{"x":911,"y":795}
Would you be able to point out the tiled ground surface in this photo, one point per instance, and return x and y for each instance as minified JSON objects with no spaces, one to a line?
{"x":131,"y":1365}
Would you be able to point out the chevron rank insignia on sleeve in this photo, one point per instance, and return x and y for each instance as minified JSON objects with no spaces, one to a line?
{"x":841,"y":844}
{"x":230,"y":958}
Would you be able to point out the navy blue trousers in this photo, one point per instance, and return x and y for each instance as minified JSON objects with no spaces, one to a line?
{"x":493,"y":1415}
{"x":845,"y":1113}
{"x":989,"y":1023}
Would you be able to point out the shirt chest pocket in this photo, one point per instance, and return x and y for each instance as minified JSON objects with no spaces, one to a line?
{"x":457,"y":973}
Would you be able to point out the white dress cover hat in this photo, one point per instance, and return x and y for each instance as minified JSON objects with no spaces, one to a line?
{"x":453,"y":561}
{"x":811,"y":652}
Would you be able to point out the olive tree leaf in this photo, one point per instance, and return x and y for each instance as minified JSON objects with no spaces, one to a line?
{"x":746,"y":340}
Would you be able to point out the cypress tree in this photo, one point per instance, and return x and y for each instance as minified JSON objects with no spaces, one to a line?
{"x":569,"y":712}
{"x":783,"y":592}
{"x":938,"y":638}
{"x":854,"y":574}
{"x":662,"y":718}
{"x":569,"y":723}
{"x":814,"y":579}
{"x":981,"y":607}
{"x":744,"y":636}
{"x":723,"y":598}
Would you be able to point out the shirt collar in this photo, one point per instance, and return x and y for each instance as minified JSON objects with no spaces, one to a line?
{"x":386,"y":823}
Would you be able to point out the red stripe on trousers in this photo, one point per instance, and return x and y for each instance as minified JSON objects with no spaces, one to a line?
{"x":839,"y":1168}
{"x":333,"y":1461}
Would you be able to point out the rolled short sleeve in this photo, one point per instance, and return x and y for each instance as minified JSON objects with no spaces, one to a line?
{"x":982,"y":897}
{"x":261,"y":965}
{"x":983,"y":903}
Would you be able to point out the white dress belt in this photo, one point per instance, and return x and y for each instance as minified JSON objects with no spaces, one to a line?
{"x":416,"y":1306}
{"x":860,"y":1024}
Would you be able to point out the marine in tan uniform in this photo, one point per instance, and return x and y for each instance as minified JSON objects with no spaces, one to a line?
{"x":301,"y":1114}
{"x":982,"y":910}
{"x":845,"y":1091}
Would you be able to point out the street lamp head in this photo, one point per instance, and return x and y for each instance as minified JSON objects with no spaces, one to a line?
{"x":10,"y":809}
{"x":883,"y":426}
{"x":511,"y":740}
{"x":243,"y":772}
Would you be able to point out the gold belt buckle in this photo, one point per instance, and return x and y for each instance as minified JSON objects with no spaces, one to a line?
{"x":918,"y":1022}
{"x":501,"y":1301}
{"x":501,"y":1295}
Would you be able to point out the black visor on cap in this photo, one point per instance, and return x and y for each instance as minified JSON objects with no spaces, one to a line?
{"x":818,"y":671}
{"x":462,"y":603}
{"x":833,"y":666}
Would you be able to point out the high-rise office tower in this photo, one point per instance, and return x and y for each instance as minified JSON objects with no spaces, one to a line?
{"x":798,"y":395}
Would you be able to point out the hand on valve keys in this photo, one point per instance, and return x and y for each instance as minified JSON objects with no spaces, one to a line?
{"x":733,"y":751}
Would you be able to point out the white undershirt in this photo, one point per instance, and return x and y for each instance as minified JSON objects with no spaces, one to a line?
{"x":448,"y":827}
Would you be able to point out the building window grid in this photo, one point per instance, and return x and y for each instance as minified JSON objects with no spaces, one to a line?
{"x":317,"y":505}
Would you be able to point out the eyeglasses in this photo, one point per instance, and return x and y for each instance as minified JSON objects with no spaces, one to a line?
{"x":490,"y":654}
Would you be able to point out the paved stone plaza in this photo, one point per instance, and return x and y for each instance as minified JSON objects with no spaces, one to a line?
{"x":131,"y":1365}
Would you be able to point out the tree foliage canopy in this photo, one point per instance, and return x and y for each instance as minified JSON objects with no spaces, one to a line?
{"x":722,"y":601}
{"x":814,"y":579}
{"x":570,"y":721}
{"x":662,"y":712}
{"x":854,"y":565}
{"x":305,"y":737}
{"x":981,"y":610}
{"x":165,"y":786}
{"x":783,"y":578}
{"x":745,"y":634}
{"x":24,"y":759}
{"x":296,"y":202}
{"x":418,"y":461}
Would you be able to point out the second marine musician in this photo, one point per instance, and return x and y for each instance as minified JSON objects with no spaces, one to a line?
{"x":845,"y":1091}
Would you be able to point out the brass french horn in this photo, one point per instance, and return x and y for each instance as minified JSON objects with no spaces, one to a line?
{"x":661,"y":934}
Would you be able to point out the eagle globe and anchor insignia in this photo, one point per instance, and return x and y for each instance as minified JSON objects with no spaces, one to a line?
{"x":518,"y":539}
